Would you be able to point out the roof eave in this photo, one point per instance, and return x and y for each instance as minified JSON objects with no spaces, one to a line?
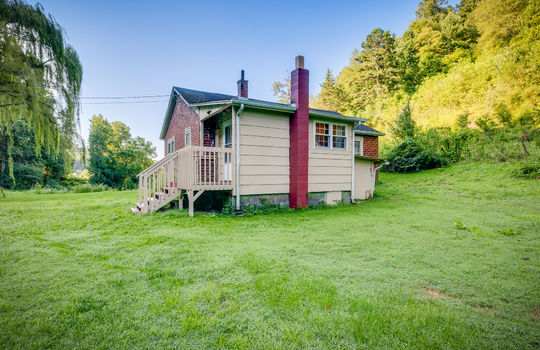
{"x":210,"y":103}
{"x":168,"y":115}
{"x":263,"y":105}
{"x":334,"y":116}
{"x":376,"y":133}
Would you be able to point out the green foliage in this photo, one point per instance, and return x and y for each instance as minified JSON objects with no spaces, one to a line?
{"x":404,"y":126}
{"x":409,"y":155}
{"x":462,"y":121}
{"x":30,"y":168}
{"x":479,"y":59}
{"x":282,"y":89}
{"x":331,"y":96}
{"x":87,"y":188}
{"x":115,"y":157}
{"x":528,"y":169}
{"x":40,"y":79}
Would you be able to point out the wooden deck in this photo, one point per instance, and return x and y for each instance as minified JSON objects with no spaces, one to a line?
{"x":193,"y":170}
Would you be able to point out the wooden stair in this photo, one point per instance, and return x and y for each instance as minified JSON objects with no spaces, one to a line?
{"x":191,"y":170}
{"x":160,"y":199}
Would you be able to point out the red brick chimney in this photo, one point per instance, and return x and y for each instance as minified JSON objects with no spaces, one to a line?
{"x":242,"y":86}
{"x":299,"y":136}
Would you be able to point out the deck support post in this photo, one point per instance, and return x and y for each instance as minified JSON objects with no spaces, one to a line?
{"x":180,"y":200}
{"x":192,"y":198}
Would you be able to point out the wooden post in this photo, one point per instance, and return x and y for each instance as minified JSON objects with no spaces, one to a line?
{"x":191,"y":202}
{"x":180,"y":200}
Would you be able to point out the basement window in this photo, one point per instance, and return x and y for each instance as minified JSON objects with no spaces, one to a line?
{"x":330,"y":136}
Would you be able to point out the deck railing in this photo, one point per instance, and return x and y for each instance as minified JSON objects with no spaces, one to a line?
{"x":191,"y":168}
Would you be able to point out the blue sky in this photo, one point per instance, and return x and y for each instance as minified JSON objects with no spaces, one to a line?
{"x":132,"y":48}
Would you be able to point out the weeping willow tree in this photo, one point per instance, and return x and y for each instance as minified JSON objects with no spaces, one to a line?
{"x":40,"y":80}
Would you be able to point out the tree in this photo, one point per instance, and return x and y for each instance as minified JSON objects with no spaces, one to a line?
{"x":372,"y":71}
{"x":115,"y":157}
{"x":404,"y":126}
{"x":331,"y":96}
{"x":430,"y":8}
{"x":40,"y":77}
{"x":282,"y":90}
{"x":29,"y":167}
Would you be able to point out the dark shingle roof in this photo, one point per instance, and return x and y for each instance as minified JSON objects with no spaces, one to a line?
{"x":312,"y":110}
{"x":196,"y":96}
{"x":366,"y":130}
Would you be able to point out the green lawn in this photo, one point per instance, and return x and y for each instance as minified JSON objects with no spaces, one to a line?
{"x":440,"y":259}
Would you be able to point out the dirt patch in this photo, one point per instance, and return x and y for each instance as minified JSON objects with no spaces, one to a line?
{"x":435,"y":294}
{"x":535,"y":313}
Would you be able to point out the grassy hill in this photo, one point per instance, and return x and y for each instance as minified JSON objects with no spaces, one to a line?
{"x":448,"y":258}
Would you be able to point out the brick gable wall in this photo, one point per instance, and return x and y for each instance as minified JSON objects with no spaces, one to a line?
{"x":371,"y":146}
{"x":183,"y":117}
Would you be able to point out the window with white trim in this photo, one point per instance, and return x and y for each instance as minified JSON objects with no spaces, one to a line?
{"x":359,"y":146}
{"x":331,"y":136}
{"x":170,"y":145}
{"x":187,"y":138}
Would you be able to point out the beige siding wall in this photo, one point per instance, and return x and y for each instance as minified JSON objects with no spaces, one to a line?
{"x":330,"y":170}
{"x":264,"y":153}
{"x":364,"y":177}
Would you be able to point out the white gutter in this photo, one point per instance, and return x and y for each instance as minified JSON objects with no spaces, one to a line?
{"x":353,"y":165}
{"x":237,"y":172}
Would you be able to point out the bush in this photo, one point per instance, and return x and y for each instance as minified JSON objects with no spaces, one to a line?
{"x":87,"y":188}
{"x":409,"y":156}
{"x":528,"y":169}
{"x":49,"y":190}
{"x":71,"y":181}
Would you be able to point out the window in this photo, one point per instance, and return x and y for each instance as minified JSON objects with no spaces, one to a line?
{"x":227,"y":134}
{"x":332,"y":136}
{"x":322,"y":135}
{"x":170,"y":145}
{"x":339,"y":137}
{"x":187,"y":138}
{"x":359,"y":146}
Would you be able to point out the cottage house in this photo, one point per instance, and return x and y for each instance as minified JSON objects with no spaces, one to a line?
{"x":239,"y":150}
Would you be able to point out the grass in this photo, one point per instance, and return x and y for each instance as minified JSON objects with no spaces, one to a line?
{"x":439,"y":259}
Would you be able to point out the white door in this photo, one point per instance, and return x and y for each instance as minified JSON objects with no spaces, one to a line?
{"x":227,"y":143}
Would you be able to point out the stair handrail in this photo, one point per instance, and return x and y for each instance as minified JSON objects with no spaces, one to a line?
{"x":158,"y":163}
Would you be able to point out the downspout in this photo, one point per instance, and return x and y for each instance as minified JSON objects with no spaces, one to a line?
{"x":237,"y":170}
{"x":353,"y":165}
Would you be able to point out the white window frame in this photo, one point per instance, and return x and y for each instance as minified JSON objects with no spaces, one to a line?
{"x":361,"y":142}
{"x":331,"y":135}
{"x":186,"y":133}
{"x":170,"y":149}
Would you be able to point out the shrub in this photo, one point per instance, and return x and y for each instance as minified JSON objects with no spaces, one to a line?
{"x":86,"y":188}
{"x":71,"y":181}
{"x":409,"y":156}
{"x":529,"y":169}
{"x":49,"y":190}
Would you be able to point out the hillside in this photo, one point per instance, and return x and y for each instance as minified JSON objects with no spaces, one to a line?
{"x":478,"y":59}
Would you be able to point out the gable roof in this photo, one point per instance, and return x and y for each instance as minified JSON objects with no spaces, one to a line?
{"x":196,"y":98}
{"x":362,"y":129}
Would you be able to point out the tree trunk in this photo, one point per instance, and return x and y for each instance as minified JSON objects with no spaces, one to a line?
{"x":524,"y":138}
